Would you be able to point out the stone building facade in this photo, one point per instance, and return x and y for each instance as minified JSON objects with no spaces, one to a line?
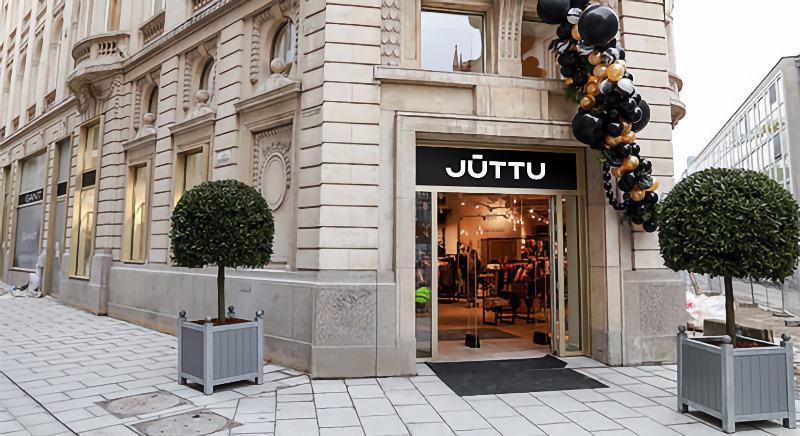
{"x":111,"y":109}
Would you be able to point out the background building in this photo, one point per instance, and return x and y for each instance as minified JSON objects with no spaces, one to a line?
{"x":345,"y":114}
{"x":763,"y":135}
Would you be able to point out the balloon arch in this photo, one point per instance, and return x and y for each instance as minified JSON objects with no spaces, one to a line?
{"x":611,"y":110}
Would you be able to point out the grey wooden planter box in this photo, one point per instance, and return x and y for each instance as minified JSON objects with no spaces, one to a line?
{"x":213,"y":355}
{"x":736,"y":384}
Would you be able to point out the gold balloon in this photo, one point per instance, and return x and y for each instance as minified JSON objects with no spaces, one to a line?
{"x":595,"y":58}
{"x":576,"y":35}
{"x":615,"y":72}
{"x":630,"y":163}
{"x":628,"y":126}
{"x":637,"y":194}
{"x":600,"y":71}
{"x":613,"y":141}
{"x":623,"y":63}
{"x":615,"y":172}
{"x":569,"y":81}
{"x":587,"y":102}
{"x":629,"y":138}
{"x":654,"y":187}
{"x":592,"y":88}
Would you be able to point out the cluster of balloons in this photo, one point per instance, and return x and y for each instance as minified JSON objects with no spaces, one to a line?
{"x":611,"y":110}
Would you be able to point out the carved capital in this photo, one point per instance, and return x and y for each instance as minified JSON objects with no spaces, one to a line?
{"x":255,"y":47}
{"x":191,"y":57}
{"x":510,"y":27}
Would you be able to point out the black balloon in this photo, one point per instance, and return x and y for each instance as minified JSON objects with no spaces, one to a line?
{"x":580,"y":79}
{"x":607,"y":186}
{"x":650,"y":198}
{"x":622,"y":53}
{"x":645,"y":166}
{"x":609,"y":195}
{"x":624,"y":150}
{"x":607,"y":86}
{"x":626,"y":87}
{"x":578,"y":3}
{"x":627,"y":181}
{"x":553,"y":11}
{"x":635,"y":149}
{"x":613,"y":99}
{"x":642,"y":123}
{"x":627,"y":105}
{"x":635,"y":116}
{"x":587,"y":128}
{"x":564,"y":31}
{"x":650,"y":227}
{"x":607,"y":176}
{"x":568,"y":71}
{"x":598,"y":25}
{"x":614,"y":129}
{"x":606,"y":167}
{"x":568,"y":59}
{"x":637,"y":220}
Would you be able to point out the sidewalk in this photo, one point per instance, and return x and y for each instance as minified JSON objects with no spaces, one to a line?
{"x":61,"y":369}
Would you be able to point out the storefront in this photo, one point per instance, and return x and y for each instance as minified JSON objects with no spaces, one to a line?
{"x":500,"y":252}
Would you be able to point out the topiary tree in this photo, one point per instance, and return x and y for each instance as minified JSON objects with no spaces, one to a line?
{"x":731,"y":223}
{"x":223,"y":223}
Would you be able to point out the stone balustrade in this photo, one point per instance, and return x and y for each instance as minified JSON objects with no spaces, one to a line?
{"x":153,"y":28}
{"x":107,"y":48}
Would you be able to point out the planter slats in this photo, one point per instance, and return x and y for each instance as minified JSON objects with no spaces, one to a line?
{"x":736,"y":385}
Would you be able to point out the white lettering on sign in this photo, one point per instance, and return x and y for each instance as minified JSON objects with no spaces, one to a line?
{"x":469,"y":167}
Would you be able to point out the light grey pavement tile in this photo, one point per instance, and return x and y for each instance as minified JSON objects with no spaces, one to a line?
{"x":253,"y":405}
{"x":586,"y":395}
{"x":434,"y":388}
{"x":424,"y":379}
{"x":542,"y":415}
{"x":396,"y":384}
{"x":301,"y":389}
{"x":514,"y":426}
{"x":10,"y":426}
{"x":342,"y":431}
{"x":659,"y":382}
{"x":493,"y":408}
{"x":418,"y":414}
{"x":365,"y":391}
{"x":630,"y":399}
{"x":406,"y":397}
{"x":564,"y":429}
{"x":228,"y":412}
{"x":46,"y":429}
{"x":138,"y":383}
{"x":669,"y":402}
{"x":62,"y":406}
{"x":613,"y":410}
{"x":97,"y":390}
{"x":94,"y":423}
{"x":617,"y":379}
{"x":696,"y":429}
{"x":51,"y":398}
{"x":60,"y":389}
{"x":669,"y":375}
{"x":632,"y":371}
{"x":328,"y":386}
{"x":324,"y":401}
{"x":471,"y":398}
{"x":344,"y":417}
{"x":128,"y":392}
{"x":625,"y":432}
{"x":564,"y":403}
{"x":295,"y":411}
{"x":465,"y":420}
{"x":373,"y":407}
{"x":646,"y":426}
{"x":593,"y":421}
{"x":361,"y":381}
{"x":384,"y":426}
{"x":294,"y":381}
{"x":27,"y":409}
{"x":479,"y":432}
{"x":272,"y":368}
{"x":517,"y":400}
{"x":36,"y":418}
{"x":295,"y":398}
{"x":297,"y":427}
{"x":254,"y":428}
{"x":448,"y":403}
{"x":647,"y":391}
{"x":664,"y":415}
{"x":772,"y":427}
{"x":423,"y":369}
{"x":219,"y":397}
{"x":430,"y":429}
{"x":116,"y":430}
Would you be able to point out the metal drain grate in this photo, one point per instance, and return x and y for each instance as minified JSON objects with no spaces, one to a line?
{"x":196,"y":423}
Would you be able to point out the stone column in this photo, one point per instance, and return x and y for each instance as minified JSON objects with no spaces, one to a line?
{"x":508,"y":22}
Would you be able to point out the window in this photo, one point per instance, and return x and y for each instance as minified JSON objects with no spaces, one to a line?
{"x":532,"y":50}
{"x":152,"y":102}
{"x":136,"y":212}
{"x":88,"y":12}
{"x":283,"y":45}
{"x":192,"y":170}
{"x":113,"y":10}
{"x":777,"y":152}
{"x":30,"y":207}
{"x":452,"y":42}
{"x":158,"y":6}
{"x":207,"y":76}
{"x":83,"y":218}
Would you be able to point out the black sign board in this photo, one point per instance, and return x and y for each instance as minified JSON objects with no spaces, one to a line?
{"x":31,"y":197}
{"x":443,"y":166}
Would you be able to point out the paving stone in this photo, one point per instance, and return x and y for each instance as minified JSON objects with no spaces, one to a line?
{"x":46,"y":429}
{"x":406,"y":397}
{"x":593,"y":421}
{"x":563,"y":403}
{"x":434,"y":388}
{"x":479,"y":432}
{"x":366,"y":391}
{"x":396,"y":384}
{"x":465,"y":420}
{"x":613,"y":410}
{"x":448,"y":403}
{"x":430,"y":429}
{"x":94,"y":423}
{"x":373,"y":407}
{"x":254,"y":405}
{"x":570,"y":429}
{"x":645,"y":426}
{"x":542,"y":415}
{"x":330,"y":400}
{"x":297,"y":427}
{"x":665,"y":416}
{"x":630,"y":399}
{"x":696,"y":429}
{"x":344,"y":417}
{"x":383,"y":426}
{"x":418,"y":414}
{"x":295,"y":411}
{"x":614,"y":433}
{"x":342,"y":431}
{"x":493,"y":408}
{"x":514,"y":425}
{"x":648,"y":391}
{"x":361,"y":382}
{"x":515,"y":400}
{"x":254,"y":428}
{"x":116,"y":430}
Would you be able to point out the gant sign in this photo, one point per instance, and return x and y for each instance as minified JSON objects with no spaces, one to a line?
{"x":445,"y":166}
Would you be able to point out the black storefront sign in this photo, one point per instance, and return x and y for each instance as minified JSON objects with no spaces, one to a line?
{"x":31,"y":197}
{"x":469,"y":167}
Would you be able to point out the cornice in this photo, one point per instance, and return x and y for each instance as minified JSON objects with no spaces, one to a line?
{"x":38,"y":124}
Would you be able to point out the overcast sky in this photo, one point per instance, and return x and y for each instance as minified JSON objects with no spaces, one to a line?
{"x":724,"y":48}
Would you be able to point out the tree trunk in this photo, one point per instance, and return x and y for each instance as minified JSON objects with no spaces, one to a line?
{"x":730,"y":316}
{"x":221,"y":295}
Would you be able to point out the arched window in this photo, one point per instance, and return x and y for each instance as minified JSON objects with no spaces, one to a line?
{"x":17,"y":91}
{"x":207,"y":76}
{"x":283,"y":44}
{"x":55,"y":55}
{"x":152,"y":102}
{"x":88,"y":10}
{"x":113,"y":15}
{"x":35,"y":70}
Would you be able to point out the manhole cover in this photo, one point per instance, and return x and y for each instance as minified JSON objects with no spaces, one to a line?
{"x":142,"y":404}
{"x":191,"y":423}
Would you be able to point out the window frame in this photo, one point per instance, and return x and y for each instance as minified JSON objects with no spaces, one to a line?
{"x":128,"y":228}
{"x":16,"y":206}
{"x":80,"y":171}
{"x":288,"y":24}
{"x":485,"y":37}
{"x":208,"y":73}
{"x":180,"y":168}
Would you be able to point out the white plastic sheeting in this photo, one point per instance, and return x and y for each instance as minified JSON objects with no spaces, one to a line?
{"x":702,"y":307}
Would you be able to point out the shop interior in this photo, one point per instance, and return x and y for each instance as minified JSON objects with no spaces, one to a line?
{"x":493,"y":275}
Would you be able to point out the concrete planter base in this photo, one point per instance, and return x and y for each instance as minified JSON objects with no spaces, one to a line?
{"x":213,"y":355}
{"x":736,"y":384}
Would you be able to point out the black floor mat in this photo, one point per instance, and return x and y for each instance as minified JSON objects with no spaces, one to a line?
{"x":512,"y":376}
{"x":484,"y":334}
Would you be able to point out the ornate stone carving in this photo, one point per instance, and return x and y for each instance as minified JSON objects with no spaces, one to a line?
{"x":510,"y":25}
{"x":290,"y":9}
{"x":345,"y":316}
{"x":191,"y":58}
{"x":201,"y":106}
{"x":390,"y":32}
{"x":277,"y":79}
{"x":272,"y":170}
{"x":255,"y":47}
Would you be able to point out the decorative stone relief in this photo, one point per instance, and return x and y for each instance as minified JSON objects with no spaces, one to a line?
{"x":255,"y":47}
{"x":272,"y":170}
{"x":345,"y":316}
{"x":290,"y":9}
{"x":390,"y":33}
{"x":201,"y":106}
{"x":277,"y":79}
{"x":191,"y":58}
{"x":510,"y":26}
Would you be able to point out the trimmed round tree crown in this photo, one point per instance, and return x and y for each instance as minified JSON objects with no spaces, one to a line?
{"x":731,"y":223}
{"x":224,"y":223}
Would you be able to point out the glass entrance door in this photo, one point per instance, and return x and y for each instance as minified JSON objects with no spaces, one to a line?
{"x":568,"y":304}
{"x":56,"y":249}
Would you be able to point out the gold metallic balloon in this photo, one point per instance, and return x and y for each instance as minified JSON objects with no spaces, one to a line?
{"x":575,"y":33}
{"x":615,"y":72}
{"x":654,"y":187}
{"x":615,"y":172}
{"x":592,"y":88}
{"x":628,"y":138}
{"x":630,"y":163}
{"x":595,"y":57}
{"x":587,"y":102}
{"x":637,"y":194}
{"x":613,"y":141}
{"x":628,"y":126}
{"x":600,"y":71}
{"x":623,"y":63}
{"x":569,"y":81}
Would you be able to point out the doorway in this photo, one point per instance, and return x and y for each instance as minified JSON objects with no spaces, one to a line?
{"x":58,"y":218}
{"x":499,"y":275}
